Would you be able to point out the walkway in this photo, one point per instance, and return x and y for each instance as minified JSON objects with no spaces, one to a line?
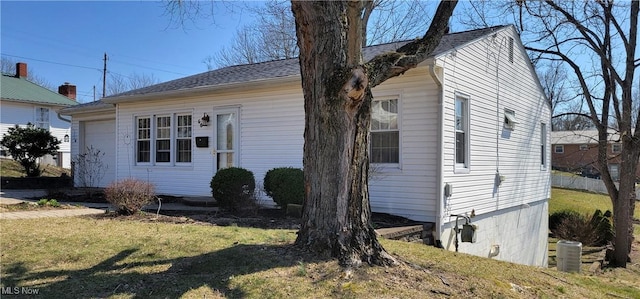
{"x":8,"y":197}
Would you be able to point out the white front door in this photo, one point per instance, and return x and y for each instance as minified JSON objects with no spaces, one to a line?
{"x":225,"y":131}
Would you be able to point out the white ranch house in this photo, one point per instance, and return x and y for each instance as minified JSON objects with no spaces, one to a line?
{"x":466,"y":132}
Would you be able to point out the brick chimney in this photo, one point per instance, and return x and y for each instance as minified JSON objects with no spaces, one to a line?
{"x":68,"y":90}
{"x":21,"y":70}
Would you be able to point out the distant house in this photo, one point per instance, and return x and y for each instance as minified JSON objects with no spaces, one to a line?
{"x":26,"y":102}
{"x":577,"y":152}
{"x":466,"y":132}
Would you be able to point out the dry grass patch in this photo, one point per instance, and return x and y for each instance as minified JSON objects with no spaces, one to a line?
{"x":111,"y":258}
{"x":13,"y":169}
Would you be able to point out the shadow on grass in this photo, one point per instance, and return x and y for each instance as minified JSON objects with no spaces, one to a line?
{"x":169,"y":278}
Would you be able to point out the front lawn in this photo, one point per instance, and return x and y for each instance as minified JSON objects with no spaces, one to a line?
{"x":121,"y":258}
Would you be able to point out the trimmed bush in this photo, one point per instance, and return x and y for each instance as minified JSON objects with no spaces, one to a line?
{"x":129,"y":195}
{"x":285,"y":185}
{"x":233,"y":188}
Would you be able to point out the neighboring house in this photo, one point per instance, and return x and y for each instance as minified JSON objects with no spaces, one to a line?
{"x":577,"y":152}
{"x":466,"y":132}
{"x":25,"y":102}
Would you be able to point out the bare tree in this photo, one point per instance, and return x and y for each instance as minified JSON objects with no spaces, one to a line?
{"x":119,"y":83}
{"x":568,"y":114}
{"x":8,"y":66}
{"x":607,"y":33}
{"x":273,"y":35}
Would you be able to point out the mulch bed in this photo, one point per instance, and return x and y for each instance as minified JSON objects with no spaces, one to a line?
{"x":262,"y":218}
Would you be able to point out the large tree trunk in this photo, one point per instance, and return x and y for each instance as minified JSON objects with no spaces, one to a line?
{"x":336,"y":214}
{"x":337,"y":101}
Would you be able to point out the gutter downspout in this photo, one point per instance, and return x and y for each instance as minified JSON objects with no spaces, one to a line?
{"x":440,"y":166}
{"x":62,"y":118}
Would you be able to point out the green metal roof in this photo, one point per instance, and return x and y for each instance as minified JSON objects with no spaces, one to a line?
{"x":22,"y":90}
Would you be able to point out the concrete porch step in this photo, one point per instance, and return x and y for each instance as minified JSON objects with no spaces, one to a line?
{"x":413,"y":233}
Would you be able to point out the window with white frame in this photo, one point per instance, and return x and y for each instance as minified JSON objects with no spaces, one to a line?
{"x":385,"y":132}
{"x":183,"y":139}
{"x":462,"y":131}
{"x":616,"y":148}
{"x":42,"y":118}
{"x":164,"y":139}
{"x":143,"y":137}
{"x":559,"y":149}
{"x":543,"y":145}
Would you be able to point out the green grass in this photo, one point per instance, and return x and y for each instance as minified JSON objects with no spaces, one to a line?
{"x":12,"y":169}
{"x":112,"y":258}
{"x":582,"y":202}
{"x":123,"y":258}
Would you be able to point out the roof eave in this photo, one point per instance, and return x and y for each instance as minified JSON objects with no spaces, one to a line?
{"x":202,"y":90}
{"x":87,"y":110}
{"x":37,"y":102}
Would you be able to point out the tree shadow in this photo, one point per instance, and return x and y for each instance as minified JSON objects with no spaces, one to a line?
{"x":169,"y":278}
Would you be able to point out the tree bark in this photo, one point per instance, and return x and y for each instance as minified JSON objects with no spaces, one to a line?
{"x":336,"y":217}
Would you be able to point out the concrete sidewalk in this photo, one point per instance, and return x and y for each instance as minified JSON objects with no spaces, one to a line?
{"x":8,"y":197}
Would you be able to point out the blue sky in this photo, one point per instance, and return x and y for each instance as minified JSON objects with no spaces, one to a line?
{"x":65,"y":41}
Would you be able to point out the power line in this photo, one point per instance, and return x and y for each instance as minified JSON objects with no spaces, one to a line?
{"x":52,"y":62}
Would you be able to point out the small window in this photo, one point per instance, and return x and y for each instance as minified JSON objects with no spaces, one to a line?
{"x":385,"y":133}
{"x":462,"y":132}
{"x":183,"y":138}
{"x":143,"y":138}
{"x":543,"y":145}
{"x":584,"y":147}
{"x":511,"y":49}
{"x":616,"y":148}
{"x":510,"y":119}
{"x":559,"y":149}
{"x":163,"y":139}
{"x":42,"y":118}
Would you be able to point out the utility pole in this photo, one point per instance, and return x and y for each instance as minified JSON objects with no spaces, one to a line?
{"x":104,"y":76}
{"x":94,"y":93}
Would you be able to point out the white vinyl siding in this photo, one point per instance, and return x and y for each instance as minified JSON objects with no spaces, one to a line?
{"x":482,"y":70}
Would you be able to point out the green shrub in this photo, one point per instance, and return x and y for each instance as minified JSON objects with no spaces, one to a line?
{"x":48,"y":202}
{"x":233,"y":188}
{"x":285,"y":185}
{"x":129,"y":195}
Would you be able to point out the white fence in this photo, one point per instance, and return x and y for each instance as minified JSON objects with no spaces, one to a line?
{"x":581,"y":183}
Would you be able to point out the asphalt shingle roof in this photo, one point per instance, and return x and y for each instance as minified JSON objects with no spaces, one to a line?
{"x":288,"y":67}
{"x":23,"y":90}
